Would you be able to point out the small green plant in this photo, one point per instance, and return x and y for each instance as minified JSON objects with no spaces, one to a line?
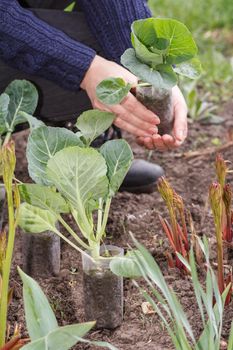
{"x":17,"y":105}
{"x":72,"y":177}
{"x":162,"y":48}
{"x":167,"y":306}
{"x":42,"y":325}
{"x":200,"y":107}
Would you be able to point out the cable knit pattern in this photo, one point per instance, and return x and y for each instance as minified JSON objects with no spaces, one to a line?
{"x":31,"y":45}
{"x":110,"y":21}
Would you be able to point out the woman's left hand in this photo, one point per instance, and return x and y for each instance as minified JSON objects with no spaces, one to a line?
{"x":180,"y":129}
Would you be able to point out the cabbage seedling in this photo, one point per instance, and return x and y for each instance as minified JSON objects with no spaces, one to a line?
{"x":17,"y":105}
{"x":163,"y":48}
{"x":72,"y":177}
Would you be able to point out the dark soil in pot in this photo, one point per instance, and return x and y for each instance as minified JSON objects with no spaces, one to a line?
{"x":103,"y":292}
{"x":41,"y":254}
{"x":158,"y":101}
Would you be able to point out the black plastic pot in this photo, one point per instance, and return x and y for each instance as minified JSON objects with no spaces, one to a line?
{"x":158,"y":101}
{"x":103,"y":291}
{"x":41,"y":254}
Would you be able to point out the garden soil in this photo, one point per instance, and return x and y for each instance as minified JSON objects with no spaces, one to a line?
{"x":191,"y":177}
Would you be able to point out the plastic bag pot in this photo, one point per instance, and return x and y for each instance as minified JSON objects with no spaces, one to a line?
{"x":103,"y":291}
{"x":158,"y":101}
{"x":41,"y":254}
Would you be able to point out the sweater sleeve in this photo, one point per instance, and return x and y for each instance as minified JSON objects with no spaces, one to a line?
{"x":110,"y":21}
{"x":31,"y":45}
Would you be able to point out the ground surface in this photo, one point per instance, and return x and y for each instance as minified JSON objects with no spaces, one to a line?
{"x":138,"y":213}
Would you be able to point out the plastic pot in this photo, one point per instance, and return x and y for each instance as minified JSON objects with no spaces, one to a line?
{"x":41,"y":254}
{"x":158,"y":101}
{"x":103,"y":291}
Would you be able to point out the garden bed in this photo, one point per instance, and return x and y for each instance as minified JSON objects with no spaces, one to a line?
{"x":191,"y":177}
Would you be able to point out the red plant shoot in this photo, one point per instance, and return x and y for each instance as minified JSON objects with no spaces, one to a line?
{"x":177,"y":234}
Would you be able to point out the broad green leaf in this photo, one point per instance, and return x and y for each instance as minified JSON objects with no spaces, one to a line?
{"x":43,"y":197}
{"x":190,"y":69}
{"x":4,"y":103}
{"x":65,"y":337}
{"x":35,"y":220}
{"x":126,"y":266}
{"x":166,"y":38}
{"x":40,"y":317}
{"x":112,"y":91}
{"x":148,"y":47}
{"x":144,"y":55}
{"x":162,"y":80}
{"x":169,"y":77}
{"x":32,"y":121}
{"x":43,"y":143}
{"x":79,"y":174}
{"x":118,"y":156}
{"x":93,"y":123}
{"x":145,"y":32}
{"x":23,"y":97}
{"x":182,"y":45}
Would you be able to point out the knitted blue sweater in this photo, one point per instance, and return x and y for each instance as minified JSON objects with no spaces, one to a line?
{"x":32,"y":46}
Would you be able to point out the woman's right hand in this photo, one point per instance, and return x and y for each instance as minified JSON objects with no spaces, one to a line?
{"x":131,"y":115}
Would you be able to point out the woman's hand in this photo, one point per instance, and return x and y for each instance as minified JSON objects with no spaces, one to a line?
{"x":180,"y":129}
{"x":131,"y":115}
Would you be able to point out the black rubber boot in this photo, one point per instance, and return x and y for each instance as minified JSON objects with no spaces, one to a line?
{"x":142,"y":177}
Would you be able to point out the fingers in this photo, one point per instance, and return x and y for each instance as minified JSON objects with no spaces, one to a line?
{"x":180,"y":128}
{"x":124,"y":115}
{"x":130,"y":119}
{"x":129,"y":127}
{"x":161,"y":143}
{"x":132,"y":105}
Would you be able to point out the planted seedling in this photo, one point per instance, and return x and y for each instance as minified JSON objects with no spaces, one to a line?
{"x":72,"y":177}
{"x":163,"y":48}
{"x":17,"y":104}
